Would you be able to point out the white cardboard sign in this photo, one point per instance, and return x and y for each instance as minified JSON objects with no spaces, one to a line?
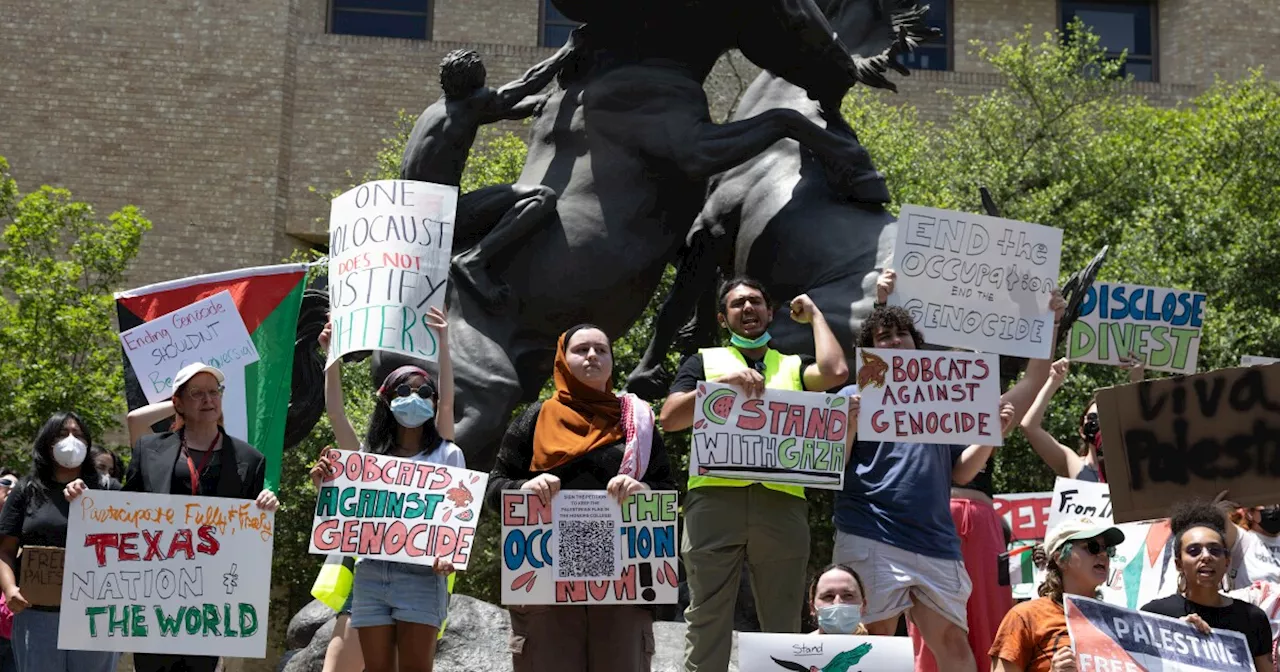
{"x":771,"y":652}
{"x":1159,"y":326}
{"x":929,"y":396}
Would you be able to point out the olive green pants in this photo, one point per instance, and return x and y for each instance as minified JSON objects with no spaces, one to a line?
{"x":722,"y":527}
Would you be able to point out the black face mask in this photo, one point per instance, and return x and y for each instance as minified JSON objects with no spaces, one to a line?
{"x":1090,"y":428}
{"x":1269,"y":520}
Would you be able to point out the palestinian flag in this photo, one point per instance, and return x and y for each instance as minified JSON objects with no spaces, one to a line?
{"x":1022,"y":570}
{"x":268,"y":299}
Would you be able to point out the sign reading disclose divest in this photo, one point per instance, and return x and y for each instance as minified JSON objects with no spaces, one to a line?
{"x":166,"y":574}
{"x":977,"y":282}
{"x":397,"y":509}
{"x":929,"y":396}
{"x":1107,"y":638}
{"x":1161,"y":327}
{"x":390,"y":244}
{"x":783,"y":437}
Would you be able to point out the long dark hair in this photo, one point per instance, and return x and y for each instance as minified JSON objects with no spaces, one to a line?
{"x":37,"y":483}
{"x":383,"y":431}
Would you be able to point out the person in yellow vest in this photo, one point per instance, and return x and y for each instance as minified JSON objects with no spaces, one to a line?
{"x":727,"y":521}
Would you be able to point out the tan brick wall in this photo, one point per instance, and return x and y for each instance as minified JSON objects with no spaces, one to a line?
{"x":515,"y":22}
{"x":1201,"y":41}
{"x":991,"y":21}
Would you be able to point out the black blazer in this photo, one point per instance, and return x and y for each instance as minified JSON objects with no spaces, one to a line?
{"x":243,"y":470}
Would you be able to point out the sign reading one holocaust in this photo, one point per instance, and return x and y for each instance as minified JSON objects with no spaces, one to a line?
{"x":390,"y":244}
{"x":1172,"y":439}
{"x":1160,"y":327}
{"x":929,"y":396}
{"x":397,"y":509}
{"x":166,"y":574}
{"x":784,"y":437}
{"x":635,"y":542}
{"x":977,"y":282}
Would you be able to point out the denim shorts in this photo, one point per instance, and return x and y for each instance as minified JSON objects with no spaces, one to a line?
{"x":385,"y":592}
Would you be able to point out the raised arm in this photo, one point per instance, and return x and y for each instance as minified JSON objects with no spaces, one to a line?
{"x":974,"y":458}
{"x":142,"y":419}
{"x":343,"y":433}
{"x":1024,"y":392}
{"x":831,"y":368}
{"x":535,"y":79}
{"x":438,"y":323}
{"x":1061,"y":459}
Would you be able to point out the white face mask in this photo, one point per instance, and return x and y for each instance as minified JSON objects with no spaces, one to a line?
{"x":69,"y":452}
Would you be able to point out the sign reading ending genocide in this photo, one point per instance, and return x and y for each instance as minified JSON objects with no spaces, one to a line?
{"x":166,"y":574}
{"x":977,"y":282}
{"x":390,"y":244}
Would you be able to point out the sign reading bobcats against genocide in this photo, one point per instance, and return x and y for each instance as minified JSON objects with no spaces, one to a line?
{"x":1106,"y":638}
{"x":552,"y":553}
{"x":166,"y":574}
{"x":390,"y":243}
{"x":1161,"y":327}
{"x":785,"y":437}
{"x":977,"y":282}
{"x":929,"y":396}
{"x":397,"y":509}
{"x":771,"y":652}
{"x":1177,"y":438}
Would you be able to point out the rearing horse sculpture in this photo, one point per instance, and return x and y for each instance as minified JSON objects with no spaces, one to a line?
{"x":628,"y":145}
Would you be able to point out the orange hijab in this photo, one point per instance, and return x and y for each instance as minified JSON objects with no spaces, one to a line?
{"x":576,"y":420}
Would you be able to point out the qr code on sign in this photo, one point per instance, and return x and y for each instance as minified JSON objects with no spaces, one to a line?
{"x":586,"y":549}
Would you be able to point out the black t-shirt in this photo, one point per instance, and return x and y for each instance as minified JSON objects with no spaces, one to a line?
{"x":692,"y":371}
{"x":181,"y":484}
{"x":1238,"y":616}
{"x":36,"y":524}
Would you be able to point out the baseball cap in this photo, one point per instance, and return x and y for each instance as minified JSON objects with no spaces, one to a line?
{"x":1080,"y":529}
{"x":191,"y":371}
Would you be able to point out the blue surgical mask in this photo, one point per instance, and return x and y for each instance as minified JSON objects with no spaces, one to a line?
{"x":747,"y":343}
{"x":839,"y":619}
{"x":412,"y":411}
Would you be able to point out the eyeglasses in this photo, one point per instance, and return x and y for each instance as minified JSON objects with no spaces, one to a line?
{"x":1194,"y":550}
{"x":1096,"y":547}
{"x":205,"y":395}
{"x":403,"y":390}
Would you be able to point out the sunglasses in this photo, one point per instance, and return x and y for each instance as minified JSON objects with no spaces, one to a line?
{"x":1194,"y":550}
{"x":1095,"y":547}
{"x":7,"y":483}
{"x":404,"y":390}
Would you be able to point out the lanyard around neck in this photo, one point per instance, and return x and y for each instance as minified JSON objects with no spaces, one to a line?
{"x":204,"y":461}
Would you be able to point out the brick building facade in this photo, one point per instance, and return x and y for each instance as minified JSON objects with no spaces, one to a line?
{"x":218,"y":116}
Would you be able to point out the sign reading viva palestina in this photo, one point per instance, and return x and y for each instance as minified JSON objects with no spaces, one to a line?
{"x":1159,"y":326}
{"x":397,"y":509}
{"x":784,"y":437}
{"x":390,"y":244}
{"x":537,"y":548}
{"x":1106,"y":637}
{"x":929,"y":396}
{"x":166,"y":574}
{"x":771,"y":652}
{"x":977,"y":282}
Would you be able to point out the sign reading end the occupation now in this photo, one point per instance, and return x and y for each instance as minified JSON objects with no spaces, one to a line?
{"x":390,"y":244}
{"x":977,"y":282}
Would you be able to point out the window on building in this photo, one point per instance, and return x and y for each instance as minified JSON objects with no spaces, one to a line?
{"x":555,"y":26}
{"x":410,"y":19}
{"x":933,"y":55}
{"x":1120,"y":26}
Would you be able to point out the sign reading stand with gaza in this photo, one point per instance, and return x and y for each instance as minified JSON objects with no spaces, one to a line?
{"x":929,"y":396}
{"x":977,"y":282}
{"x":1161,"y":327}
{"x":782,"y":437}
{"x":390,"y":244}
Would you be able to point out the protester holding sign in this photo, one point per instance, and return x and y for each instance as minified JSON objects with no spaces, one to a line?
{"x":1088,"y":464}
{"x":836,"y":601}
{"x":728,"y":520}
{"x":1033,"y":636}
{"x":584,"y":437}
{"x":1201,"y":551}
{"x":398,"y":606}
{"x":35,"y":515}
{"x":898,"y":512}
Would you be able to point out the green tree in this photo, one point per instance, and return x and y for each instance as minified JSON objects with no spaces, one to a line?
{"x":58,"y":351}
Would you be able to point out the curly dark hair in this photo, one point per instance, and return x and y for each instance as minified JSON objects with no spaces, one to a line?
{"x":740,"y":281}
{"x":461,"y":72}
{"x":1195,"y":513}
{"x":888,"y":317}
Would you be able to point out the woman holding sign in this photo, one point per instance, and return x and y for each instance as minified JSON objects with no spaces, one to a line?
{"x":584,"y":437}
{"x":1203,"y":556}
{"x":35,"y":515}
{"x":396,"y":607}
{"x":196,"y":458}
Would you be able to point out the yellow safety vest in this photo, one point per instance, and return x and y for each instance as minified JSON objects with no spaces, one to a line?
{"x":781,"y":372}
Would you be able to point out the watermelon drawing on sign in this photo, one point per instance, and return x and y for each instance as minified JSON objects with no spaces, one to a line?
{"x":718,"y":405}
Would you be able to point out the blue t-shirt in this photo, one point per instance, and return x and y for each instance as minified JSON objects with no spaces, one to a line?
{"x":900,"y":494}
